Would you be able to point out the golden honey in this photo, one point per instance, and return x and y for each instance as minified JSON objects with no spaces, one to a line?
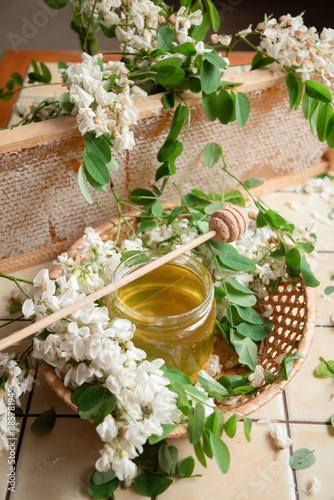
{"x":173,"y":309}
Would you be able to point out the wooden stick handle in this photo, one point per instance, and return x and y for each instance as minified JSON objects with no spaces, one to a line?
{"x":66,"y":311}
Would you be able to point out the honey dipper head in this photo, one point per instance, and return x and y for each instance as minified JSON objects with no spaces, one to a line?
{"x":229,"y":223}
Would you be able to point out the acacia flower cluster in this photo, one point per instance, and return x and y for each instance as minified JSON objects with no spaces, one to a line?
{"x":290,"y":42}
{"x":103,"y":98}
{"x":89,"y":347}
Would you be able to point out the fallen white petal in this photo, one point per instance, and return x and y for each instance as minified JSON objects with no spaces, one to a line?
{"x":314,"y":487}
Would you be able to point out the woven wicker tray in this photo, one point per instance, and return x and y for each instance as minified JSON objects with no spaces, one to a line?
{"x":294,"y":316}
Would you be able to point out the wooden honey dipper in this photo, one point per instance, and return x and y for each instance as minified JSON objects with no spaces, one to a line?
{"x":226,"y":225}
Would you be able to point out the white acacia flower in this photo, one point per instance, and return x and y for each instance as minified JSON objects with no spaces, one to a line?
{"x":107,"y":430}
{"x":257,"y":378}
{"x":280,"y":437}
{"x":314,"y":487}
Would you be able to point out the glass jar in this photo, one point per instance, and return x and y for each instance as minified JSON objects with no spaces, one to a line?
{"x":172,"y":307}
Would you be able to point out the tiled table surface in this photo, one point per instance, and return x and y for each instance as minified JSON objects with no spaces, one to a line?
{"x":304,"y":409}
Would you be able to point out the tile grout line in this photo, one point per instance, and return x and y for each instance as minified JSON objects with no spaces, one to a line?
{"x":287,"y":423}
{"x":19,"y":444}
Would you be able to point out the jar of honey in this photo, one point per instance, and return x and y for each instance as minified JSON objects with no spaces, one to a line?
{"x":172,"y":307}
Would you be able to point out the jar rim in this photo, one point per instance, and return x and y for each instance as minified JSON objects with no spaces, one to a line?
{"x":185,"y":259}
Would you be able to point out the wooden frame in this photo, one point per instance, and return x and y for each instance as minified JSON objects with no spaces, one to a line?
{"x":59,"y":128}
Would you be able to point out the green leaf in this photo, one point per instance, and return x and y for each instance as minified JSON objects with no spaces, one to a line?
{"x":213,"y":207}
{"x":323,"y":117}
{"x":99,"y":478}
{"x":157,"y":209}
{"x":276,"y":221}
{"x":56,"y":4}
{"x":236,"y":262}
{"x":96,"y":168}
{"x":142,"y":196}
{"x":305,"y":246}
{"x":239,"y":287}
{"x":328,"y":290}
{"x":186,"y":467}
{"x":162,"y":171}
{"x":215,"y":59}
{"x":292,"y":260}
{"x":251,"y":183}
{"x":44,"y":423}
{"x":167,"y":429}
{"x":224,"y":106}
{"x":302,"y":459}
{"x":102,"y":490}
{"x":287,"y":364}
{"x":219,"y":293}
{"x":198,"y":448}
{"x":314,"y":109}
{"x":10,"y":85}
{"x":332,"y":420}
{"x":170,"y":150}
{"x":209,"y":105}
{"x":325,"y":369}
{"x":177,"y":376}
{"x":259,"y":61}
{"x":211,"y":154}
{"x":221,"y":453}
{"x":83,"y":186}
{"x":174,"y":214}
{"x":239,"y":294}
{"x":165,"y":39}
{"x":14,"y":306}
{"x":17,"y":78}
{"x":254,"y":332}
{"x":183,"y":403}
{"x":108,"y":406}
{"x":211,"y":385}
{"x":306,"y":104}
{"x":245,"y":348}
{"x":168,"y":100}
{"x":169,"y":61}
{"x":247,"y":428}
{"x":242,"y":108}
{"x":168,"y":458}
{"x":330,"y":132}
{"x":90,"y":397}
{"x":107,"y":30}
{"x":210,"y":77}
{"x":214,"y":16}
{"x":235,"y":197}
{"x":307,"y":274}
{"x":230,"y":426}
{"x":187,"y":49}
{"x":295,"y":89}
{"x":46,"y":72}
{"x":168,"y":75}
{"x":195,"y":392}
{"x":215,"y":423}
{"x":248,"y":314}
{"x":98,"y":146}
{"x":147,"y":225}
{"x":65,"y":103}
{"x":318,"y":91}
{"x":196,"y":420}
